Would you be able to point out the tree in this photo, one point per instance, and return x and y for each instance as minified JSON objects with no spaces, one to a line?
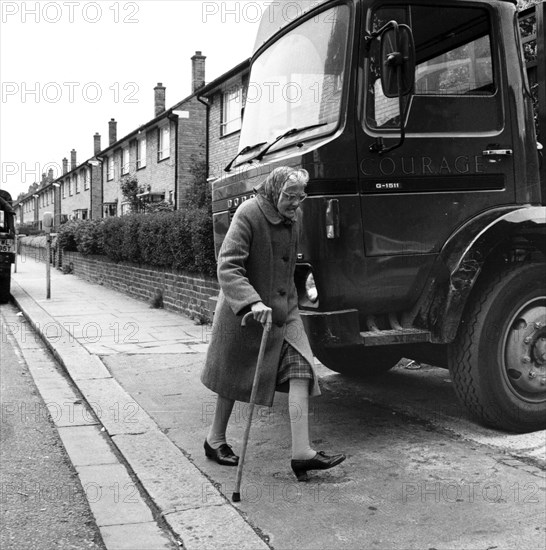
{"x":130,"y":190}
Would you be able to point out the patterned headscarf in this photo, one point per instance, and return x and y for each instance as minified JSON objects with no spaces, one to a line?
{"x":271,"y":188}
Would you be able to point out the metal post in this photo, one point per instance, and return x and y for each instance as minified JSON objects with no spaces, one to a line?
{"x":48,"y":267}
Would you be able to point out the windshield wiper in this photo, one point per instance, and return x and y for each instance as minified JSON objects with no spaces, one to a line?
{"x":243,"y":151}
{"x":288,"y":133}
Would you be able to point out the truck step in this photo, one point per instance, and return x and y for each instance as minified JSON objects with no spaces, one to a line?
{"x":392,"y":337}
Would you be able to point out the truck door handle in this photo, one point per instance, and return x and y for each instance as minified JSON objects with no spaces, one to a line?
{"x":497,"y":153}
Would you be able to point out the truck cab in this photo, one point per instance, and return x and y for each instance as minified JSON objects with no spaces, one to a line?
{"x":424,"y":231}
{"x":7,"y":244}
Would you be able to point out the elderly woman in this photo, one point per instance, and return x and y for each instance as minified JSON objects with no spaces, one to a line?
{"x":256,"y":273}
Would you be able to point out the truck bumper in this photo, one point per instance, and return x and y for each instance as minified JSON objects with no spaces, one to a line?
{"x":332,"y":329}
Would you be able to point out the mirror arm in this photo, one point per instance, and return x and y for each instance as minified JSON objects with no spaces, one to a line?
{"x":378,"y":146}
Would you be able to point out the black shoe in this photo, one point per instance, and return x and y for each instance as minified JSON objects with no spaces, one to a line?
{"x":224,"y":455}
{"x":321,"y":461}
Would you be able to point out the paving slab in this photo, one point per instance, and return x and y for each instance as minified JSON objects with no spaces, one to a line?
{"x":79,"y":440}
{"x":117,"y":411}
{"x":122,"y":537}
{"x":113,"y":495}
{"x":212,"y":528}
{"x":172,"y":481}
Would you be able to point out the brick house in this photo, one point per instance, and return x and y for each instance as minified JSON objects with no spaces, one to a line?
{"x":160,"y":153}
{"x":67,"y":197}
{"x":74,"y":189}
{"x":225,"y":98}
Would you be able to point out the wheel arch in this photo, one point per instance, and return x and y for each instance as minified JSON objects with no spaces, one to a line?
{"x":489,"y":241}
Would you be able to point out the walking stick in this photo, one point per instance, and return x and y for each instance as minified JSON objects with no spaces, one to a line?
{"x":236,"y":497}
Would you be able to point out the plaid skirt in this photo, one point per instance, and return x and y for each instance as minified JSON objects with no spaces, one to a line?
{"x":292,"y":365}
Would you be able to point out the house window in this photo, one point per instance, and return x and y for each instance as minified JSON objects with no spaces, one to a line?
{"x":109,"y":209}
{"x":164,"y":149}
{"x":77,"y":183}
{"x":125,"y":208}
{"x":171,"y":197}
{"x":70,"y":187}
{"x":125,"y":161}
{"x":141,"y":153}
{"x":232,"y":102}
{"x":85,"y":178}
{"x":110,"y":168}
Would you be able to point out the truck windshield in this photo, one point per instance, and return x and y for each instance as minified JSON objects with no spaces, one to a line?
{"x":298,"y":82}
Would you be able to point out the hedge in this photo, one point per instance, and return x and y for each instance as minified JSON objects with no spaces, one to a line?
{"x":181,"y":240}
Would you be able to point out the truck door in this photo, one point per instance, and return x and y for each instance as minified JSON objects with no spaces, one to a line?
{"x":456,"y":160}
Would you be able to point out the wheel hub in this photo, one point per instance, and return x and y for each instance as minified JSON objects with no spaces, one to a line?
{"x":525,"y":350}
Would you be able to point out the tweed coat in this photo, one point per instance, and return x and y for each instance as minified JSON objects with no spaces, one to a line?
{"x":256,"y":263}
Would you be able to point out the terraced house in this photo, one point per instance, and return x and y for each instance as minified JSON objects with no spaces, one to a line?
{"x":158,"y":154}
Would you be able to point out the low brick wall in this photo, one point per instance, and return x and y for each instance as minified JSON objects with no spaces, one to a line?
{"x":185,"y":293}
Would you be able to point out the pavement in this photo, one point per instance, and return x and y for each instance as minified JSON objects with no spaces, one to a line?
{"x":132,"y":415}
{"x":111,"y":439}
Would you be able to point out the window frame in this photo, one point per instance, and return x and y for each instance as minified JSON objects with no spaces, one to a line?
{"x":110,"y":167}
{"x":414,"y":101}
{"x":141,"y":151}
{"x":163,"y":131}
{"x":125,"y":160}
{"x":225,"y":101}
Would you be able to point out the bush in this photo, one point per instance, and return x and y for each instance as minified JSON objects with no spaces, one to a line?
{"x":202,"y":241}
{"x":66,"y":237}
{"x":112,"y":236}
{"x":130,"y":245}
{"x":89,"y":237}
{"x":181,"y":240}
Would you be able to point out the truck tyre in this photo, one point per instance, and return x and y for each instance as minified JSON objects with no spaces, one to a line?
{"x":498,"y":360}
{"x":360,"y":361}
{"x":5,"y":281}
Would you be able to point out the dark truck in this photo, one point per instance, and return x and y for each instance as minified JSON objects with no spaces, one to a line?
{"x":424,"y":232}
{"x":7,"y":244}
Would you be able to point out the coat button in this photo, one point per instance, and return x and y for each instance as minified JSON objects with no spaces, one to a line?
{"x":279,"y":324}
{"x":285,"y":258}
{"x":282,"y":292}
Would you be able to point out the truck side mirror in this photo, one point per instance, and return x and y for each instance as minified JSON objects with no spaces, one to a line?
{"x":397,"y":61}
{"x":48,"y":221}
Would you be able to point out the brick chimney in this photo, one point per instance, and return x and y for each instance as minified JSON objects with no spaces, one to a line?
{"x":198,"y":71}
{"x":159,"y":99}
{"x":50,"y":175}
{"x":73,"y":162}
{"x":96,"y":144}
{"x":44,"y":178}
{"x":112,"y":131}
{"x":65,"y":165}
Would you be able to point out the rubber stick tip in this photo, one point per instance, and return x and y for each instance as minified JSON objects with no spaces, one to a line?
{"x":236,"y":497}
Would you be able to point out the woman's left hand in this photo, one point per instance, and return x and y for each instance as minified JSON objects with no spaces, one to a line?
{"x":262,"y":313}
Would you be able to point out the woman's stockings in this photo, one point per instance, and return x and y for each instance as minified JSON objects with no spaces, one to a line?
{"x":298,"y":408}
{"x":217,"y":431}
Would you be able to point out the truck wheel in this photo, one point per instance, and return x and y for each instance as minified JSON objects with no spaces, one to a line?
{"x":498,"y":361}
{"x":5,"y":281}
{"x":360,"y":361}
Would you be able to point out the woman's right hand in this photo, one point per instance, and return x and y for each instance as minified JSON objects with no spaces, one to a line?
{"x":262,"y":313}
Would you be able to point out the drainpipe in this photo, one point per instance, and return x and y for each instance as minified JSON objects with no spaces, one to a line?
{"x":206,"y":103}
{"x":175,"y":118}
